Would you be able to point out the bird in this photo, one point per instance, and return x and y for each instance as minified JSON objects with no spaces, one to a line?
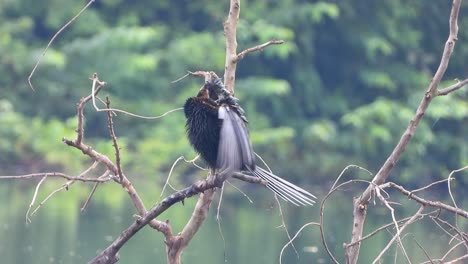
{"x":216,"y":127}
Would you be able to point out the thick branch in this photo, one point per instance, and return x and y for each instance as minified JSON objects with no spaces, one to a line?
{"x":176,"y":245}
{"x":230,"y":30}
{"x":109,"y":255}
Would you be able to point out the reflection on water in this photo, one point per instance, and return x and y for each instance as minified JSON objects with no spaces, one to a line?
{"x":252,"y":232}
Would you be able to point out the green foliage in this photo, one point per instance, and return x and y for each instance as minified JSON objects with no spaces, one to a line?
{"x":341,"y":89}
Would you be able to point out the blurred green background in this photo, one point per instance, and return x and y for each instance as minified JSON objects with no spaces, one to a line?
{"x":340,"y":91}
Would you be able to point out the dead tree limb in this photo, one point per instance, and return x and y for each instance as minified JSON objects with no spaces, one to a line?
{"x":360,"y":204}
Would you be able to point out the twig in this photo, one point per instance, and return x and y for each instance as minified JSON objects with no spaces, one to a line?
{"x":115,"y":144}
{"x":457,"y":260}
{"x":283,"y":224}
{"x":52,"y":40}
{"x":187,"y":74}
{"x":52,"y":174}
{"x":85,"y":205}
{"x":345,"y":169}
{"x":425,"y":202}
{"x":294,"y":237}
{"x":192,"y":161}
{"x":260,"y":47}
{"x":322,"y":222}
{"x":33,"y":200}
{"x":451,"y":250}
{"x":218,"y":219}
{"x":450,"y":189}
{"x":97,"y":83}
{"x":454,"y":228}
{"x":397,"y":235}
{"x":423,"y":250}
{"x":452,"y":88}
{"x":64,"y":186}
{"x":392,"y":212}
{"x":239,"y":190}
{"x":428,"y":186}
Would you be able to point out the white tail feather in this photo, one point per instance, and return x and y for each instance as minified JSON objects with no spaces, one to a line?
{"x":284,"y":189}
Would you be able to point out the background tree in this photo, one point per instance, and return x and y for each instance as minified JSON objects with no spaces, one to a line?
{"x":339,"y":91}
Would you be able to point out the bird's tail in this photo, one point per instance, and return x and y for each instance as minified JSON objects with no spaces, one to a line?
{"x":284,"y":189}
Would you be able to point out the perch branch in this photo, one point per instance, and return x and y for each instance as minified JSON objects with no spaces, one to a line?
{"x":109,"y":255}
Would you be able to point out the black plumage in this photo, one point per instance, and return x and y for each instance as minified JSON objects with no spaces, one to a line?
{"x":216,"y":128}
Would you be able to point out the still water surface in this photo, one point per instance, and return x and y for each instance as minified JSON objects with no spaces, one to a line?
{"x":59,"y":233}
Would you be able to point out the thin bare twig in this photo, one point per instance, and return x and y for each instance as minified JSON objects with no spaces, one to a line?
{"x":97,"y":83}
{"x":345,"y":169}
{"x":239,"y":190}
{"x":115,"y":144}
{"x":392,"y":212}
{"x":452,"y":88}
{"x":52,"y":40}
{"x":428,"y":186}
{"x":64,"y":186}
{"x":218,"y":219}
{"x":425,"y":202}
{"x":85,"y":205}
{"x":294,"y":237}
{"x":450,"y":189}
{"x":52,"y":174}
{"x":457,"y":260}
{"x":423,"y":250}
{"x":397,"y":235}
{"x":260,"y":47}
{"x":371,"y":234}
{"x":33,"y":200}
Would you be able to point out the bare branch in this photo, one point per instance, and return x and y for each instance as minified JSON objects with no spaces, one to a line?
{"x":109,"y":255}
{"x":294,"y":237}
{"x":382,"y":175}
{"x":177,"y":245}
{"x":371,"y":234}
{"x":425,"y":202}
{"x":33,"y":200}
{"x":98,"y":83}
{"x":52,"y":40}
{"x":397,"y":235}
{"x":260,"y":47}
{"x":115,"y":144}
{"x":457,"y":260}
{"x":452,"y":88}
{"x":53,"y":174}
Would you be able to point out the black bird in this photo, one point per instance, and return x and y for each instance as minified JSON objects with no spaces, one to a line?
{"x":216,"y":128}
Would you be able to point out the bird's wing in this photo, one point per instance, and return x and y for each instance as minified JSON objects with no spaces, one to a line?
{"x":234,"y":150}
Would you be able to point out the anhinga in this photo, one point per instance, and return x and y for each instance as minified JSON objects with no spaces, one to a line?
{"x":216,"y":128}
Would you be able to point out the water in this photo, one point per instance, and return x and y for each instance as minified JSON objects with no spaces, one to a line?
{"x":59,"y":233}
